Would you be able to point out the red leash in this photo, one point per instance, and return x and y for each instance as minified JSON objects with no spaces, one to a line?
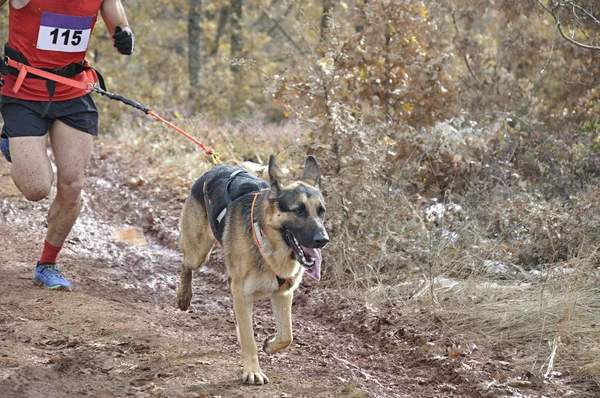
{"x":206,"y":149}
{"x":88,"y":87}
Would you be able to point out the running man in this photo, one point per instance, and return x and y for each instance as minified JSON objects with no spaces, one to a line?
{"x":54,"y":35}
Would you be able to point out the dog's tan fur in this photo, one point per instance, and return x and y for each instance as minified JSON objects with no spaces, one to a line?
{"x":250,"y":278}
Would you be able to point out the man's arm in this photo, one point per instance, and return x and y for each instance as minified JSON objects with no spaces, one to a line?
{"x":115,"y":20}
{"x":113,"y":15}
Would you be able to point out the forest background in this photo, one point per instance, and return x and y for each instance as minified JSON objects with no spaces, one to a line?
{"x":459,"y":142}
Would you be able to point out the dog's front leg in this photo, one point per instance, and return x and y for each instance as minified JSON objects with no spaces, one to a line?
{"x":282,"y":311}
{"x":242,"y":306}
{"x":184,"y":291}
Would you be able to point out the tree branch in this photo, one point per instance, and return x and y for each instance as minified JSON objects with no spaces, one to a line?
{"x":465,"y":56}
{"x":559,"y":26}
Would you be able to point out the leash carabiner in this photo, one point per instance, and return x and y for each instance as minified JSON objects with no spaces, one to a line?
{"x":215,"y":158}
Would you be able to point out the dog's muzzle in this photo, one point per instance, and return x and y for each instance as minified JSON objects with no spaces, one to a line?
{"x":308,"y":257}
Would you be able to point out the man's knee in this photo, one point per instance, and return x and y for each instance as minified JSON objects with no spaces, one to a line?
{"x":34,"y":189}
{"x":37,"y":192}
{"x":69,"y":191}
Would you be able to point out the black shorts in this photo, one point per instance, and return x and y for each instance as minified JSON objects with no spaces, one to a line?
{"x":23,"y":118}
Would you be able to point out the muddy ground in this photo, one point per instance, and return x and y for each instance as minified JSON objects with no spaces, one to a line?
{"x":119,"y":333}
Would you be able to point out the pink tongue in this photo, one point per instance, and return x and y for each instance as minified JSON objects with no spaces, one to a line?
{"x":315,"y":271}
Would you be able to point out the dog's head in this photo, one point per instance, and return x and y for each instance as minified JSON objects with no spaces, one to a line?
{"x":300,"y":213}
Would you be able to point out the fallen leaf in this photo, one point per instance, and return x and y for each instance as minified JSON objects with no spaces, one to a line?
{"x":130,"y":235}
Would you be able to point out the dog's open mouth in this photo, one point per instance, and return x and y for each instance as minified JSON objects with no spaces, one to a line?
{"x":308,"y":257}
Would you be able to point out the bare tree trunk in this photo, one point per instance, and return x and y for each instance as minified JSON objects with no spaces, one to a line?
{"x":223,"y":17}
{"x":237,"y":37}
{"x":195,"y":41}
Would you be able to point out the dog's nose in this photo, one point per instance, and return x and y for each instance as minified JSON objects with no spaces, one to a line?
{"x":320,"y":239}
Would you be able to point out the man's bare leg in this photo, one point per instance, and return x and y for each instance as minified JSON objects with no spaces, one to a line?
{"x":72,"y":151}
{"x":32,"y":173}
{"x":30,"y":168}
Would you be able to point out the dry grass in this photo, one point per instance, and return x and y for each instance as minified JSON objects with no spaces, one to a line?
{"x":545,"y":317}
{"x":556,"y":312}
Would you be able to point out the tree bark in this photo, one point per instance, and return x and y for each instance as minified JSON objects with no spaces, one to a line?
{"x":237,"y":37}
{"x":195,"y":41}
{"x":223,"y":17}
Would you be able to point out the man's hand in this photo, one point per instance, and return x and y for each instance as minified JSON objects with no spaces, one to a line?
{"x":123,"y":41}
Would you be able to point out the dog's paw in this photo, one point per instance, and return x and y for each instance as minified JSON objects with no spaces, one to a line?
{"x":184,"y":298}
{"x":271,"y":345}
{"x":184,"y":291}
{"x":253,"y":375}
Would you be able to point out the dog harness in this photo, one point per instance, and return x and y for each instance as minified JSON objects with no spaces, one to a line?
{"x":225,"y":187}
{"x":219,"y":192}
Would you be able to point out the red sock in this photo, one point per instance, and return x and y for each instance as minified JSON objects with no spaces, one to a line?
{"x":49,"y":254}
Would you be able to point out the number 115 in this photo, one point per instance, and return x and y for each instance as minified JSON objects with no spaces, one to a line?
{"x":66,"y":35}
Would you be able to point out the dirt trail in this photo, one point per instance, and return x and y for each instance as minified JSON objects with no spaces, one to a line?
{"x":119,"y":333}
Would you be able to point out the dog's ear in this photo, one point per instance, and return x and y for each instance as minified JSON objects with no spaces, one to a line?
{"x":312,"y":173}
{"x":275,"y":176}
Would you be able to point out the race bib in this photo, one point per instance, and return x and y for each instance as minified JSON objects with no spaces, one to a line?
{"x":64,"y":33}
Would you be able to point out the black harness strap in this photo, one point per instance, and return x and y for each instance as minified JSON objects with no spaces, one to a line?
{"x":229,"y":181}
{"x":217,"y":203}
{"x":51,"y":86}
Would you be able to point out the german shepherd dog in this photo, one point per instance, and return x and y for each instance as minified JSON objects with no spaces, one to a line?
{"x":270,"y":238}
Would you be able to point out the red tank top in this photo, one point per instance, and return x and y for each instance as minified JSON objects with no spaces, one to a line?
{"x":50,"y":34}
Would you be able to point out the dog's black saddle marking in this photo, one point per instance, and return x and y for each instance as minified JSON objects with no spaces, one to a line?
{"x":219,"y":188}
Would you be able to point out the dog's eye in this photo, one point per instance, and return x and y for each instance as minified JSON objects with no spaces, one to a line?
{"x":299,"y":210}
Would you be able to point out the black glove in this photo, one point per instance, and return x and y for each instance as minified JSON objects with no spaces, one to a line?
{"x":123,"y":41}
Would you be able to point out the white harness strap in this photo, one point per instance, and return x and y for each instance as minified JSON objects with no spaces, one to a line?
{"x":258,"y":234}
{"x":221,"y":215}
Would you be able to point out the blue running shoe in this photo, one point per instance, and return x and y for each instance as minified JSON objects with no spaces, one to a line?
{"x":48,"y":276}
{"x":4,"y":149}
